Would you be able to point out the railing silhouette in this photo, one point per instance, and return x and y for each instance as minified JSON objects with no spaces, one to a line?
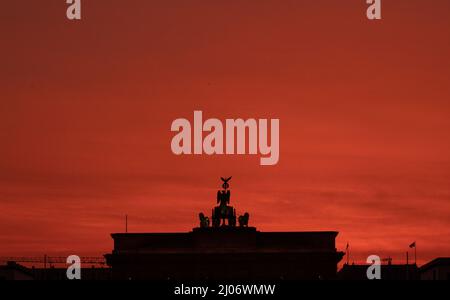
{"x":96,"y":260}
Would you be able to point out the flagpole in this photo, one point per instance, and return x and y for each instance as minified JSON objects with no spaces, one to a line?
{"x":407,"y":265}
{"x":415,"y":253}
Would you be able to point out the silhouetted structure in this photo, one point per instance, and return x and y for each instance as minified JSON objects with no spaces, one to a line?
{"x":437,"y":269}
{"x":224,"y":211}
{"x":388,"y":272}
{"x":87,"y":273}
{"x":224,"y":251}
{"x":14,"y":271}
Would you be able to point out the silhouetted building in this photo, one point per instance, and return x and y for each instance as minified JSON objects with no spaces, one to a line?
{"x":53,"y":273}
{"x":388,"y":272}
{"x":224,"y":253}
{"x":437,"y":269}
{"x":14,"y":271}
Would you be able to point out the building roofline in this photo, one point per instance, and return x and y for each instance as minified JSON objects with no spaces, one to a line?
{"x":437,"y":261}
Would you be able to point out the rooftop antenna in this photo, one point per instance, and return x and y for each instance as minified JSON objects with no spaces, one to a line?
{"x":126,"y":223}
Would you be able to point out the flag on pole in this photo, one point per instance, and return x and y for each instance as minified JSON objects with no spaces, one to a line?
{"x":413,"y":245}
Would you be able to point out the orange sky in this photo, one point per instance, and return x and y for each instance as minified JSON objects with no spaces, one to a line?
{"x":86,"y":109}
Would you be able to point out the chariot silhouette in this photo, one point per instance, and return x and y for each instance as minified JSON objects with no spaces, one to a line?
{"x":224,"y":214}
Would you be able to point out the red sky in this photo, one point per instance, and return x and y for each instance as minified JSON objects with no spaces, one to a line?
{"x":86,"y":109}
